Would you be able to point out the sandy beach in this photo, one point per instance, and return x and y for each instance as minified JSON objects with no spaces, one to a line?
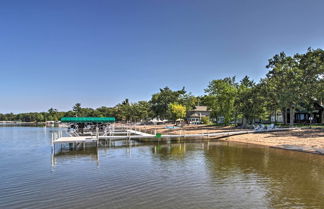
{"x":307,"y":140}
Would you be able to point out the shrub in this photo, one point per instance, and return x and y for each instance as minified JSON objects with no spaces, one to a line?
{"x":205,"y":120}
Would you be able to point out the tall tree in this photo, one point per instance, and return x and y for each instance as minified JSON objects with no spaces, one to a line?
{"x":141,"y":111}
{"x":189,"y":101}
{"x":53,"y":113}
{"x":312,"y":65}
{"x":223,"y":92}
{"x":250,"y":102}
{"x":297,"y":81}
{"x":77,"y":109}
{"x":285,"y":80}
{"x":160,"y":101}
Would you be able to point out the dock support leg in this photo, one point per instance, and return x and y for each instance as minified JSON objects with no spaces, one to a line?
{"x":53,"y":148}
{"x":52,"y":144}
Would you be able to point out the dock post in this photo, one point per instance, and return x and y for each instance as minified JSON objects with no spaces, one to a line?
{"x":97,"y":135}
{"x":52,"y":144}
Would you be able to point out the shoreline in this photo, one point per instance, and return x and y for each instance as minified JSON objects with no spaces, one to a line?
{"x":307,"y":140}
{"x":300,"y":140}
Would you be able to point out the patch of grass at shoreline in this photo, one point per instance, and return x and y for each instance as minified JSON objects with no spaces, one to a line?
{"x":303,"y":126}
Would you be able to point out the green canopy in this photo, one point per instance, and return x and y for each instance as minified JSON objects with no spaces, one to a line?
{"x":87,"y":120}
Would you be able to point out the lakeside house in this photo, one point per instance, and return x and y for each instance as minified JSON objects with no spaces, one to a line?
{"x":302,"y":116}
{"x":194,"y":116}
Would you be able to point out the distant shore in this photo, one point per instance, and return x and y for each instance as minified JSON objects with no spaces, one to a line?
{"x":19,"y":123}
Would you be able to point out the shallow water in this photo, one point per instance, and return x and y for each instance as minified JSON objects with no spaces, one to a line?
{"x":193,"y":175}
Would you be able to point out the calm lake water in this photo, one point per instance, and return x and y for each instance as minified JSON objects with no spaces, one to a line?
{"x":192,"y":175}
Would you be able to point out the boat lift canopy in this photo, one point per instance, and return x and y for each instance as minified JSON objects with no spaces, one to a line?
{"x":87,"y":120}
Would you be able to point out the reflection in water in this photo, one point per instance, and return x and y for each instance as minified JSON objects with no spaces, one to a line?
{"x":170,"y":151}
{"x":291,"y":179}
{"x":156,"y":175}
{"x":64,"y":155}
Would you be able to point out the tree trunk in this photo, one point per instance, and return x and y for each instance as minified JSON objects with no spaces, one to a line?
{"x":322,"y":117}
{"x":284,"y":115}
{"x":292,"y":115}
{"x":275,"y":113}
{"x":244,"y":123}
{"x":235,"y":119}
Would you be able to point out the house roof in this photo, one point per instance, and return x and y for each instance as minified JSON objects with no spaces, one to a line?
{"x":200,"y":108}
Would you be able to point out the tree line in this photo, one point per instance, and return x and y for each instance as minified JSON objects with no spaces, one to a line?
{"x":292,"y":82}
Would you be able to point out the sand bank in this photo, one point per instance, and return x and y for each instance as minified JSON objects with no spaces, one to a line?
{"x":305,"y":140}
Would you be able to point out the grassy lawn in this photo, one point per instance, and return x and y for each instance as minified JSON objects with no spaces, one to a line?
{"x":304,"y":125}
{"x":281,"y":125}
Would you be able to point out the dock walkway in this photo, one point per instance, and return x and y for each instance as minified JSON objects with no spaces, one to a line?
{"x":77,"y":139}
{"x":139,"y":133}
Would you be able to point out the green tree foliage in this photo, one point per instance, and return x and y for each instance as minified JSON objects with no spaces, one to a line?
{"x":77,"y":109}
{"x":295,"y":81}
{"x":221,"y":100}
{"x":250,"y":101}
{"x":160,"y":101}
{"x":205,"y":120}
{"x":133,"y":112}
{"x":106,"y":111}
{"x":189,"y":101}
{"x":312,"y":65}
{"x":284,"y":80}
{"x":53,"y":113}
{"x":123,"y":111}
{"x":141,"y":111}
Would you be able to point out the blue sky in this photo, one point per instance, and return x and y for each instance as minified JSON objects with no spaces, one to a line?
{"x":58,"y":53}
